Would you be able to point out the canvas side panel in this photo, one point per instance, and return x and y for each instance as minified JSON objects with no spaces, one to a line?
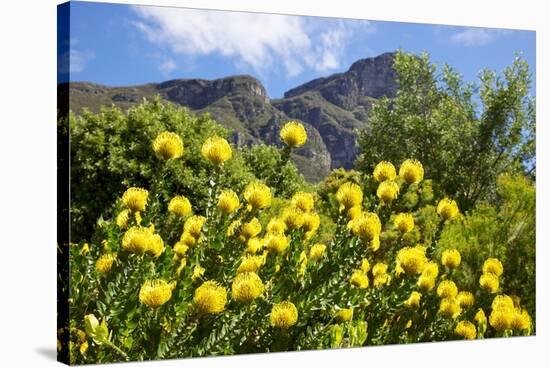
{"x":63,"y":180}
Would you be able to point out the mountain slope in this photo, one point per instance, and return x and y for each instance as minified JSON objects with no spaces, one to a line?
{"x":332,"y":108}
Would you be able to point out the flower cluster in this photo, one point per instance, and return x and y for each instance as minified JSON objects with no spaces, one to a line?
{"x":492,"y":270}
{"x":264,"y":267}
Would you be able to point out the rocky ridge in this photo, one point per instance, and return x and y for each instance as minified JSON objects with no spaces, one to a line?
{"x":332,"y":108}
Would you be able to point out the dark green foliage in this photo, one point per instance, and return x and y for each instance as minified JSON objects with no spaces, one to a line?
{"x":265,"y":162}
{"x":111,"y":151}
{"x":505,"y":231}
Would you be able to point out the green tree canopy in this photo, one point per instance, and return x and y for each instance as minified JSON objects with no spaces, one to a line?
{"x":465,"y":134}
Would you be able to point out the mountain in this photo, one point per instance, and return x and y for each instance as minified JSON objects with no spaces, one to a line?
{"x":332,"y":108}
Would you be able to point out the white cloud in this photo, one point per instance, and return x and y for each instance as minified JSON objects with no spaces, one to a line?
{"x":259,"y":41}
{"x":73,"y":60}
{"x":167,"y":65}
{"x":473,"y":37}
{"x":79,"y":60}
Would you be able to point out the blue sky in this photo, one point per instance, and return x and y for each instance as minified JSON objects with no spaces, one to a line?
{"x":115,"y":44}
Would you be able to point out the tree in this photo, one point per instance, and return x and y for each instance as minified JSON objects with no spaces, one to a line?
{"x":435,"y":118}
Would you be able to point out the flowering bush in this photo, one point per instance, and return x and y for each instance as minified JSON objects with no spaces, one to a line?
{"x":250,"y":271}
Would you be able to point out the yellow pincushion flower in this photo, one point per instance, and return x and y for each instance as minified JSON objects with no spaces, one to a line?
{"x":466,"y":329}
{"x":426,"y":283}
{"x":251,"y":264}
{"x":85,"y":249}
{"x":122,"y":218}
{"x":493,"y":266}
{"x":156,"y":246}
{"x":311,"y":222}
{"x":251,"y":229}
{"x":198,"y":272}
{"x":447,"y":289}
{"x":247,"y":287}
{"x":216,"y":150}
{"x":387,"y":191}
{"x":180,"y":249}
{"x":141,"y":240}
{"x":359,"y":279}
{"x":449,"y":307}
{"x":411,"y":171}
{"x":168,"y":145}
{"x":257,"y":195}
{"x":293,"y":134}
{"x":349,"y":195}
{"x":302,"y":263}
{"x":138,"y":218}
{"x":104,"y":263}
{"x":451,"y":258}
{"x":480,"y":317}
{"x":412,"y":259}
{"x":414,"y":300}
{"x":404,"y":222}
{"x":253,"y":245}
{"x":384,"y":171}
{"x":276,"y":243}
{"x":155,"y":293}
{"x":303,"y":201}
{"x":276,"y":226}
{"x":520,"y":320}
{"x":489,"y":282}
{"x":374,"y":244}
{"x":447,"y":209}
{"x":193,"y":225}
{"x":366,"y":226}
{"x":502,"y":301}
{"x":179,"y":205}
{"x":83,"y":348}
{"x":233,"y":228}
{"x":79,"y":333}
{"x":501,"y":319}
{"x":182,"y":265}
{"x":283,"y":315}
{"x":344,"y":314}
{"x":317,"y":251}
{"x":292,"y":217}
{"x":431,"y":270}
{"x":228,"y":201}
{"x":379,"y":269}
{"x":365,"y":266}
{"x":210,"y":297}
{"x":135,"y":198}
{"x":465,"y":299}
{"x":381,"y":280}
{"x":188,"y":239}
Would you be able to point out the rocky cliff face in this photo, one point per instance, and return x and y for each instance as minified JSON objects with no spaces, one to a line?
{"x":338,"y":105}
{"x":372,"y":77}
{"x":332,"y":108}
{"x":199,"y":93}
